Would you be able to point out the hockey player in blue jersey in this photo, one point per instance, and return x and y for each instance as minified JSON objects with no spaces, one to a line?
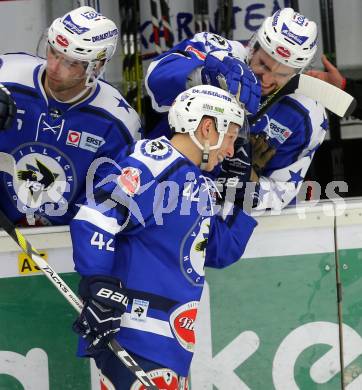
{"x":66,"y":117}
{"x":142,"y":241}
{"x":288,"y":135}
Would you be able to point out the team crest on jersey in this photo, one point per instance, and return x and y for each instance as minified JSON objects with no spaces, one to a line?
{"x":163,"y":378}
{"x":182,"y":322}
{"x":193,"y":250}
{"x":214,"y":41}
{"x":158,"y":150}
{"x":44,"y":175}
{"x":130,"y":180}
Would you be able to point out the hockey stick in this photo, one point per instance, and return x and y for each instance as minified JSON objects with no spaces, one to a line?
{"x":7,"y":164}
{"x":332,"y":98}
{"x":166,"y":23}
{"x":155,"y":26}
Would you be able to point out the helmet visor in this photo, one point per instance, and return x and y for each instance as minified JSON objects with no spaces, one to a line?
{"x":64,"y":64}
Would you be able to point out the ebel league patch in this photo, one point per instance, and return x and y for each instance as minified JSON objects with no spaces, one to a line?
{"x":182,"y":322}
{"x":130,"y":180}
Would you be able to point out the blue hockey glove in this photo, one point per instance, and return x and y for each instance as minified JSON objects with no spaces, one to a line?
{"x":7,"y":108}
{"x":104,"y":303}
{"x":229,"y":73}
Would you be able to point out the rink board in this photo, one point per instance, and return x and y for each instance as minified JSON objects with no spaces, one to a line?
{"x":269,"y":321}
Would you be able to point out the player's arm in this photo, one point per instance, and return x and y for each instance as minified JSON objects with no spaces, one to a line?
{"x":116,"y":206}
{"x":292,"y":132}
{"x":167,"y":77}
{"x":120,"y":202}
{"x":228,"y":238}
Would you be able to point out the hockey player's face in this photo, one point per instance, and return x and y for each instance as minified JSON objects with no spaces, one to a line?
{"x":62,"y":72}
{"x":226,"y":149}
{"x":271,"y":73}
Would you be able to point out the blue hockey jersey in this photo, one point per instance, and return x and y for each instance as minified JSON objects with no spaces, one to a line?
{"x":53,"y":143}
{"x":153,"y":224}
{"x":295,"y":126}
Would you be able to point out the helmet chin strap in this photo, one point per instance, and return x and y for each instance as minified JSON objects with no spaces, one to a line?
{"x":205,"y":155}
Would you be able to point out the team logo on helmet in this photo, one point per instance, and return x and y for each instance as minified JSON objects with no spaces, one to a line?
{"x":283,"y":52}
{"x":300,"y":19}
{"x":62,"y":41}
{"x":182,"y":322}
{"x":163,"y":378}
{"x":130,"y":180}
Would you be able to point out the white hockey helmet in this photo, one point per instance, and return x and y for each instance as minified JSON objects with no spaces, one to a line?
{"x":289,"y":37}
{"x":84,"y":35}
{"x":191,"y":105}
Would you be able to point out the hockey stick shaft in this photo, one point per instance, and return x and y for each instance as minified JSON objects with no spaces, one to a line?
{"x":332,"y":98}
{"x":155,"y":26}
{"x":166,"y":23}
{"x":69,"y":295}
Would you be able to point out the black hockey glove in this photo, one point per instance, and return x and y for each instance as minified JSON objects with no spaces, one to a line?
{"x":7,"y":108}
{"x":104,"y":303}
{"x":235,"y":173}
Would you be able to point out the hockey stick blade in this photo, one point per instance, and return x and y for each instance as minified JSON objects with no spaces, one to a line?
{"x":332,"y":98}
{"x":66,"y":291}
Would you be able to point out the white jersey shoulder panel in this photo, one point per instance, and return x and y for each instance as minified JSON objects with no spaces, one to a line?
{"x":19,"y":68}
{"x":110,"y":100}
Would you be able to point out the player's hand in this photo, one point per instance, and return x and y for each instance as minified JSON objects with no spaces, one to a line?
{"x":229,"y":73}
{"x":262,"y":152}
{"x":105,"y":301}
{"x":235,"y":173}
{"x":7,"y":108}
{"x":331,"y":75}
